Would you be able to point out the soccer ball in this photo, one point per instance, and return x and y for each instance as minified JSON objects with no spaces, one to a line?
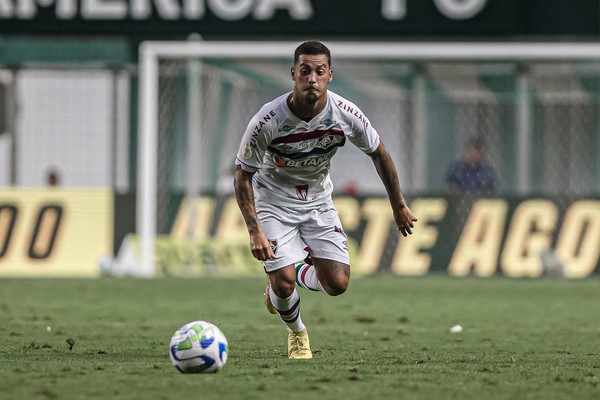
{"x":198,"y":346}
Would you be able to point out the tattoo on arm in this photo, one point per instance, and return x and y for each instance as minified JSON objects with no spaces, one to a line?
{"x":244,"y":194}
{"x":389,"y":176}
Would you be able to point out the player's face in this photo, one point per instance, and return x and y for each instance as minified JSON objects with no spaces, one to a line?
{"x":311,"y":75}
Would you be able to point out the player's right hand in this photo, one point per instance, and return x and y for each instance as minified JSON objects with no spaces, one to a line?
{"x":260,"y":246}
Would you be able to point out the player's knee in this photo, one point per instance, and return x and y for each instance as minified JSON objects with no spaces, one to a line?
{"x":333,"y":276}
{"x":283,"y":289}
{"x":337,"y":286}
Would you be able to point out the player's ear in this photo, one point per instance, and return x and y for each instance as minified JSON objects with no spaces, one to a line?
{"x":292,"y":73}
{"x":330,"y":75}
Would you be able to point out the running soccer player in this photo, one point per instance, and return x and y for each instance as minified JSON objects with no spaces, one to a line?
{"x":283,"y":188}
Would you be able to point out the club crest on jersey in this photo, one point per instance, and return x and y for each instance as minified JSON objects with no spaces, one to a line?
{"x":274,"y":245}
{"x":302,"y":192}
{"x":325,"y":141}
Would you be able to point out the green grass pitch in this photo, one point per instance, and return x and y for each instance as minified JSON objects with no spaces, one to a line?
{"x":386,"y":338}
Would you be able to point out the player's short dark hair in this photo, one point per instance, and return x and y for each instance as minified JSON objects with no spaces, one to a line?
{"x":313,"y":48}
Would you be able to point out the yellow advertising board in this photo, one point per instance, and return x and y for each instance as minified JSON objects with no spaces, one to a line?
{"x":54,"y":232}
{"x":463,"y":236}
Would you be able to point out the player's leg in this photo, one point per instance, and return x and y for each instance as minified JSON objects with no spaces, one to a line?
{"x":268,"y":302}
{"x":306,"y":275}
{"x":281,"y":231}
{"x":330,"y":276}
{"x":285,"y":297}
{"x":286,"y":300}
{"x":333,"y":276}
{"x":280,"y":228}
{"x":328,"y":249}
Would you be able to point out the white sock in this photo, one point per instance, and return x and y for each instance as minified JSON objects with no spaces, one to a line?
{"x":289,"y":310}
{"x":306,"y":277}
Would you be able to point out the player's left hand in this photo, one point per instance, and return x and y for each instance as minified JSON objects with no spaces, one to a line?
{"x":405,"y":220}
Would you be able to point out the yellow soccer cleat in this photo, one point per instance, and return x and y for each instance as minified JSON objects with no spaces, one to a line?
{"x":268,"y":304}
{"x":299,"y":345}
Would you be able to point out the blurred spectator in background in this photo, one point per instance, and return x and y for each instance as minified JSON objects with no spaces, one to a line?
{"x":351,"y":188}
{"x":472,"y":174}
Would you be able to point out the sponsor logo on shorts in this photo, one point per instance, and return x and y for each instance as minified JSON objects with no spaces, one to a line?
{"x":274,"y":245}
{"x":302,"y":192}
{"x":339,"y":229}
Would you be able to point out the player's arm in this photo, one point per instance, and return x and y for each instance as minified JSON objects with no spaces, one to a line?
{"x":386,"y":169}
{"x":244,"y":194}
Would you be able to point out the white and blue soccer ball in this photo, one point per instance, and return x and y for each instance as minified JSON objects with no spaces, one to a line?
{"x":198,"y":347}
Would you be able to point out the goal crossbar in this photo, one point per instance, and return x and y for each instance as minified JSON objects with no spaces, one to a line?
{"x":151,"y":52}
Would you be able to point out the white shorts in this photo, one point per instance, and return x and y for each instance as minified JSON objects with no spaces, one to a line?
{"x":291,"y":229}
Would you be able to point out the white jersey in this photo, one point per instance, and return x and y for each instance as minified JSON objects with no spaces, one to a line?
{"x":291,"y":157}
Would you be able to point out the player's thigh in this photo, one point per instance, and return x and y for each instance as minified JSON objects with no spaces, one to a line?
{"x":330,"y":269}
{"x":281,"y":229}
{"x":324,"y":234}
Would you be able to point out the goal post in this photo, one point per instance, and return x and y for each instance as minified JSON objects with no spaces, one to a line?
{"x":152,"y":53}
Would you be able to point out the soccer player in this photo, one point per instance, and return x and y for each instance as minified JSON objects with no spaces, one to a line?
{"x":283,"y":188}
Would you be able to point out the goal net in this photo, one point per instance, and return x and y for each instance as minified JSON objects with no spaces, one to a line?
{"x":425,"y":100}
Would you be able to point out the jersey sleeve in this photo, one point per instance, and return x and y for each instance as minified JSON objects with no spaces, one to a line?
{"x":362,"y":134}
{"x":365,"y":137}
{"x":254,"y":144}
